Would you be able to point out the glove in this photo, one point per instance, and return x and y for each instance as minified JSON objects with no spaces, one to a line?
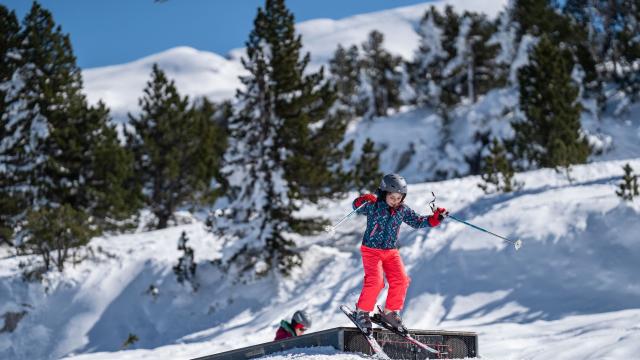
{"x":365,"y":198}
{"x":437,"y":217}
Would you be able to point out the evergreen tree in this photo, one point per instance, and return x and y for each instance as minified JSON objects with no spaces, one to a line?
{"x":131,"y":338}
{"x":498,"y":172}
{"x":54,"y":231}
{"x":283,"y":148}
{"x":549,"y":136}
{"x":345,"y":75}
{"x":213,"y":119}
{"x":425,"y":72}
{"x":367,"y":170}
{"x":537,"y":18}
{"x":472,"y":71}
{"x":382,"y":77}
{"x":628,"y":188}
{"x":451,"y":30}
{"x":62,"y":154}
{"x":621,"y":44}
{"x":11,"y":200}
{"x":186,"y":267}
{"x":505,"y":37}
{"x":174,"y":145}
{"x":621,"y":23}
{"x":310,"y":133}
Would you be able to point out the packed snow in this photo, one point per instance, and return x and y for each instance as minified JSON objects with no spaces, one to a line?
{"x":571,"y":292}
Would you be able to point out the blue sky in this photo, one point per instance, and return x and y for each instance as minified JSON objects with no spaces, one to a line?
{"x":108,"y":32}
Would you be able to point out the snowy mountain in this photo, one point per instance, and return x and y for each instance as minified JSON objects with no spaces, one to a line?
{"x":196,"y":73}
{"x":201,"y":73}
{"x":570,"y":293}
{"x":321,"y":37}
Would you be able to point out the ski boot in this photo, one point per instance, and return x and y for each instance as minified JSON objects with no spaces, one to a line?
{"x":391,"y":318}
{"x":363,"y":321}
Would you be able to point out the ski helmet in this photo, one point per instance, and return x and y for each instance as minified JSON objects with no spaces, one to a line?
{"x":393,"y":183}
{"x":301,"y":317}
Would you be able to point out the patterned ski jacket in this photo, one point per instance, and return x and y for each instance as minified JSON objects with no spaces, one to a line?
{"x":383,"y":223}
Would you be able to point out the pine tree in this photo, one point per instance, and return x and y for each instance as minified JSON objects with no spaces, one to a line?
{"x":174,"y":145}
{"x":505,"y":38}
{"x":472,"y":71}
{"x":620,"y":20}
{"x":54,"y":231}
{"x":381,"y":77}
{"x":628,"y":188}
{"x":215,"y":116}
{"x":62,"y":153}
{"x":345,"y":75}
{"x":621,"y":46}
{"x":537,"y":18}
{"x":310,"y":132}
{"x":131,"y":338}
{"x":260,"y":207}
{"x":367,"y":170}
{"x":11,"y":199}
{"x":283,"y":148}
{"x":549,"y":136}
{"x":451,"y":30}
{"x":425,"y":72}
{"x":498,"y":172}
{"x":579,"y":10}
{"x":186,"y":267}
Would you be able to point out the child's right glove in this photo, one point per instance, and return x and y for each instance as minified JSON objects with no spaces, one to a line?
{"x":437,"y":217}
{"x":365,"y":198}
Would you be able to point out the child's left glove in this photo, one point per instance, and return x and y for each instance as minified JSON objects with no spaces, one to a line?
{"x":438,"y":215}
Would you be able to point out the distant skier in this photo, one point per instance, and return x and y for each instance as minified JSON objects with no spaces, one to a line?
{"x":300,"y":322}
{"x":385,"y":213}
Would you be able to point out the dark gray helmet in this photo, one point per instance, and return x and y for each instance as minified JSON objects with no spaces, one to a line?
{"x":394,"y":183}
{"x":301,"y":317}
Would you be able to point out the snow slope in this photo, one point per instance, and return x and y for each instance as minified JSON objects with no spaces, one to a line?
{"x":411,"y":142}
{"x":571,"y":292}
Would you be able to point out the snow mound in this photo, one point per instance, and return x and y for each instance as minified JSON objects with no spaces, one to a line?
{"x":196,"y":73}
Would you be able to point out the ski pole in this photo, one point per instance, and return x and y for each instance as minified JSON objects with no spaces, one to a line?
{"x":332,"y":228}
{"x":517,"y":244}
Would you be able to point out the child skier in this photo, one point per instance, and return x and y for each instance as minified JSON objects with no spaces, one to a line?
{"x":385,"y":213}
{"x":300,"y":322}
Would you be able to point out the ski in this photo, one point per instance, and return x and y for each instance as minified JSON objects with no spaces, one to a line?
{"x":375,"y":346}
{"x":376,"y":319}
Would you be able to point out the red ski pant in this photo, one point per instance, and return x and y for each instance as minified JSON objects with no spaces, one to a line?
{"x":375,"y":263}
